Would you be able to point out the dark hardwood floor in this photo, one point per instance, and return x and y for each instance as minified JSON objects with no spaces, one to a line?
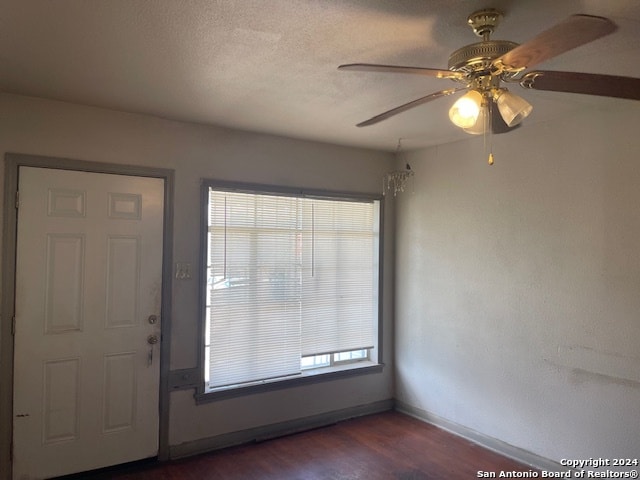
{"x":384,"y":446}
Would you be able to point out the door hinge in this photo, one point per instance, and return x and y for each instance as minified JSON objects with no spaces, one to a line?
{"x":17,"y":199}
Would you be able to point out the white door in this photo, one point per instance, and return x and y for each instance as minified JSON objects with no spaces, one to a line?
{"x":88,"y":286}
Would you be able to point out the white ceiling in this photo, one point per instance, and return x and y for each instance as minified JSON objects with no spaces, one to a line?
{"x":270,"y":65}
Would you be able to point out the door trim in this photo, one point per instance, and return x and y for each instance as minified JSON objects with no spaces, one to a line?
{"x":13,"y":161}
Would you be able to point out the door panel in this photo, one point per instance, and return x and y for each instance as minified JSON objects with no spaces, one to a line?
{"x":64,"y":283}
{"x":123,"y":278}
{"x":88,"y":276}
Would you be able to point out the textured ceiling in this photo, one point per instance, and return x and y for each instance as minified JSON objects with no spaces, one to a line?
{"x":270,"y":65}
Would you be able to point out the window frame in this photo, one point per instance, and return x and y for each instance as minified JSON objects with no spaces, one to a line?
{"x":311,"y":376}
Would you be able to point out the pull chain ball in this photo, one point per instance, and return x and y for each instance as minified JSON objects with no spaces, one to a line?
{"x":490,"y":161}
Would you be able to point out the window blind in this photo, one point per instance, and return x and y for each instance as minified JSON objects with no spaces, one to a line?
{"x":339,"y":294}
{"x":286,"y":277}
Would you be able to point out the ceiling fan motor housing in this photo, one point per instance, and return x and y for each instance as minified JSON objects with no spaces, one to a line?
{"x":478,"y":57}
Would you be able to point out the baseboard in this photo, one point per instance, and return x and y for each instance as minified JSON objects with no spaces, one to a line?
{"x":498,"y":446}
{"x":317,"y":421}
{"x":276,"y":430}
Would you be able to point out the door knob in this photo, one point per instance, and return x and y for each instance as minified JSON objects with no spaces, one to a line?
{"x":152,"y":339}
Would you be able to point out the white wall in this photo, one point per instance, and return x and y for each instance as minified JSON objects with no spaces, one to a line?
{"x":518,"y":286}
{"x":40,"y":127}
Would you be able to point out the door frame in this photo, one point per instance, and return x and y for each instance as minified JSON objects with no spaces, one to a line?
{"x":13,"y":162}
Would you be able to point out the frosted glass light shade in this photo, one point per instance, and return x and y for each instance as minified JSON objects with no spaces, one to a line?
{"x":465,"y":111}
{"x":482,"y":124}
{"x":513,"y":108}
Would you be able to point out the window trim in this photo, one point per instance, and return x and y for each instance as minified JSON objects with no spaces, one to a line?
{"x":310,"y":377}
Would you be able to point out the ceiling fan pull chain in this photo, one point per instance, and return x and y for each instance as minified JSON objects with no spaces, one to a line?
{"x":490,"y":160}
{"x":489,"y":129}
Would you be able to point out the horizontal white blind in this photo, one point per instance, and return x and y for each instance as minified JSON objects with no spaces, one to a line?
{"x":254,"y":308}
{"x":286,"y":277}
{"x":339,"y":294}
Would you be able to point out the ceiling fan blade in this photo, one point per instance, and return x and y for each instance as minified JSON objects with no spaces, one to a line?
{"x":429,"y":72}
{"x":407,"y":106}
{"x":585,"y":83}
{"x":566,"y":35}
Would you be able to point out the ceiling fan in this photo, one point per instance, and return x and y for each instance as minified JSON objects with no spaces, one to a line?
{"x":483,"y":67}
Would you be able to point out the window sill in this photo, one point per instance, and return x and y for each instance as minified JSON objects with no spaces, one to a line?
{"x":307,"y":377}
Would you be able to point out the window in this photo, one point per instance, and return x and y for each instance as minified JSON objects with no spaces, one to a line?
{"x":291,"y":285}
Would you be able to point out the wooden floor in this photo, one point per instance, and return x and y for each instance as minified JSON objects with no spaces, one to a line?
{"x":384,"y":446}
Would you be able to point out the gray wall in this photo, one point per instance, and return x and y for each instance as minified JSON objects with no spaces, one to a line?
{"x":518,"y":286}
{"x":40,"y":127}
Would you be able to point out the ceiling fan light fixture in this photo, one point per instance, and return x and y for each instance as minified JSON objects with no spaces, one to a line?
{"x":464,"y":113}
{"x":512,"y":108}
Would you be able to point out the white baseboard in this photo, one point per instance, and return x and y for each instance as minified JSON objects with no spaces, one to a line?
{"x":498,"y":446}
